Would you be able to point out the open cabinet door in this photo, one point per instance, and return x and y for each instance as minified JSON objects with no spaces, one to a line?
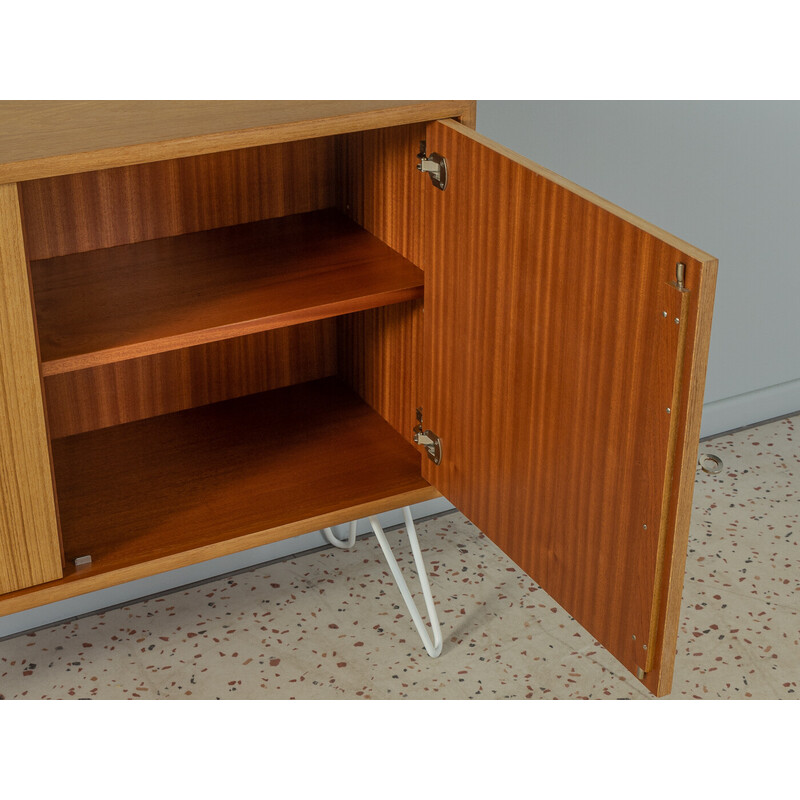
{"x":565,"y":356}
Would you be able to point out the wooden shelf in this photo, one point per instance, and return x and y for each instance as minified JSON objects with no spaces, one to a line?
{"x":124,"y":302}
{"x":173,"y":490}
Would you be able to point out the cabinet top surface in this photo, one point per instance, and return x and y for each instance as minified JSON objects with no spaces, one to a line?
{"x":42,"y":138}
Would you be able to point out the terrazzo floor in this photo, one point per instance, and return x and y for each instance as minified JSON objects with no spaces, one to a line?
{"x":330,"y":624}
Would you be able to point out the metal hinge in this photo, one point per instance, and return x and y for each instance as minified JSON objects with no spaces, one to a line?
{"x":428,"y":439}
{"x":434,"y":165}
{"x":680,"y":277}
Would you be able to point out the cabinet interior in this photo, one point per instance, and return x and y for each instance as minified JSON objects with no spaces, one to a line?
{"x":229,"y":344}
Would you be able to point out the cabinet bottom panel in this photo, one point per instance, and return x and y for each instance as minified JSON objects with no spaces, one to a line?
{"x":166,"y":492}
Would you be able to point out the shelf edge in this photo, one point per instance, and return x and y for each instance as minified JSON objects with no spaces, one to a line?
{"x":286,"y":319}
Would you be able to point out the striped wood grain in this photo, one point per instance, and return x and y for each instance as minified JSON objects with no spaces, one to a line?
{"x":380,"y":186}
{"x":126,"y":391}
{"x":181,"y":291}
{"x":90,"y":210}
{"x":30,"y":551}
{"x":554,"y":368}
{"x":379,"y":357}
{"x":380,"y":351}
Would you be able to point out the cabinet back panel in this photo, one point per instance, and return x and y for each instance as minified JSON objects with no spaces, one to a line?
{"x":131,"y":390}
{"x":91,"y":210}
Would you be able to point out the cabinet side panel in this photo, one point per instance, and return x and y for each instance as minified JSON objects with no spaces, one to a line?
{"x":380,"y":186}
{"x":126,"y":391}
{"x":380,"y":351}
{"x":87,"y":211}
{"x":30,"y":551}
{"x":469,"y":118}
{"x":379,"y":357}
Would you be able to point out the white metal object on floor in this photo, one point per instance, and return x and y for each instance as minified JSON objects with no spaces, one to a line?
{"x":344,"y":544}
{"x":433,"y":648}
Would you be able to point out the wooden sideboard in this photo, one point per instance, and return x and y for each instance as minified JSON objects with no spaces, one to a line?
{"x":219,"y":319}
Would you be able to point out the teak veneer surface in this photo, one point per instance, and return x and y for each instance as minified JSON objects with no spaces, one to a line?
{"x":30,"y":550}
{"x":180,"y":488}
{"x":379,"y":356}
{"x":134,"y":300}
{"x":380,"y":187}
{"x":380,"y":350}
{"x":40,"y":139}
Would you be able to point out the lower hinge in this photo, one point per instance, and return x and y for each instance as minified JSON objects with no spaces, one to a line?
{"x":428,"y":439}
{"x":434,"y":165}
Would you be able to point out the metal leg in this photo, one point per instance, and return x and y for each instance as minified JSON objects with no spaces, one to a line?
{"x":434,"y":648}
{"x":345,"y":545}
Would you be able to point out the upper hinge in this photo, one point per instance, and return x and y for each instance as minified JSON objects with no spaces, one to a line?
{"x":428,"y":439}
{"x":434,"y":165}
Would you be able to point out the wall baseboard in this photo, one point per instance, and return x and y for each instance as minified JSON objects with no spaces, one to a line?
{"x":750,"y":408}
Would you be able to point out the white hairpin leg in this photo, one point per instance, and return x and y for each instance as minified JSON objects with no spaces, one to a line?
{"x":345,"y":545}
{"x":434,"y":648}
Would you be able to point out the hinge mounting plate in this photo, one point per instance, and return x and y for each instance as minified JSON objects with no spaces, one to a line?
{"x":434,"y":165}
{"x":428,"y":439}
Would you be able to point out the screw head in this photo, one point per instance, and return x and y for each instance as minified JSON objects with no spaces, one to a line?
{"x":644,"y":527}
{"x":664,"y":313}
{"x":677,"y":321}
{"x":669,"y":411}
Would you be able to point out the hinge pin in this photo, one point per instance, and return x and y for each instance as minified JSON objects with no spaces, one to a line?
{"x":680,"y":274}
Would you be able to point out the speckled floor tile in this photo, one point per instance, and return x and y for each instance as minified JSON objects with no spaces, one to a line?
{"x":331,"y":624}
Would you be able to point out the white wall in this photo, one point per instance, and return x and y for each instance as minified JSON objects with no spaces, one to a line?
{"x":722,"y":175}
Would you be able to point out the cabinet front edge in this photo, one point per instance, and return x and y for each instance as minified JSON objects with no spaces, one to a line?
{"x":75,"y":584}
